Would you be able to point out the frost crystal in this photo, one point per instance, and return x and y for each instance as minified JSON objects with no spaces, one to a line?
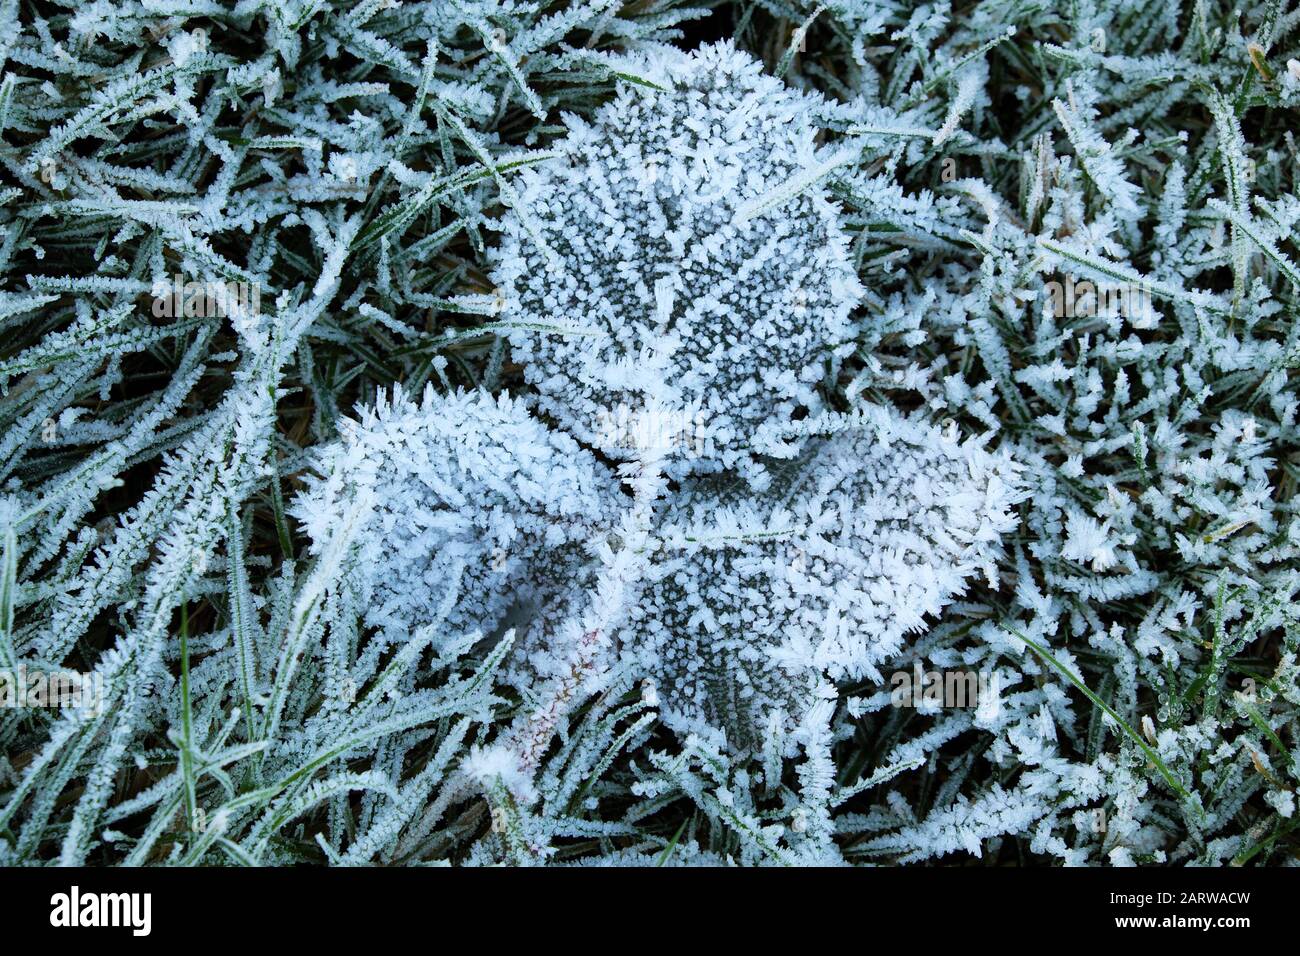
{"x":660,"y":607}
{"x":825,"y":573}
{"x":466,"y":501}
{"x":679,"y":255}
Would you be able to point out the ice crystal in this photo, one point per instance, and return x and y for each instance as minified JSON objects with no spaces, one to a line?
{"x":760,"y":597}
{"x":777,"y":316}
{"x":467,"y":503}
{"x":679,"y":254}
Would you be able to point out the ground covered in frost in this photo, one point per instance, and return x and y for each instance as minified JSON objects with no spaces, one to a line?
{"x":584,"y":433}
